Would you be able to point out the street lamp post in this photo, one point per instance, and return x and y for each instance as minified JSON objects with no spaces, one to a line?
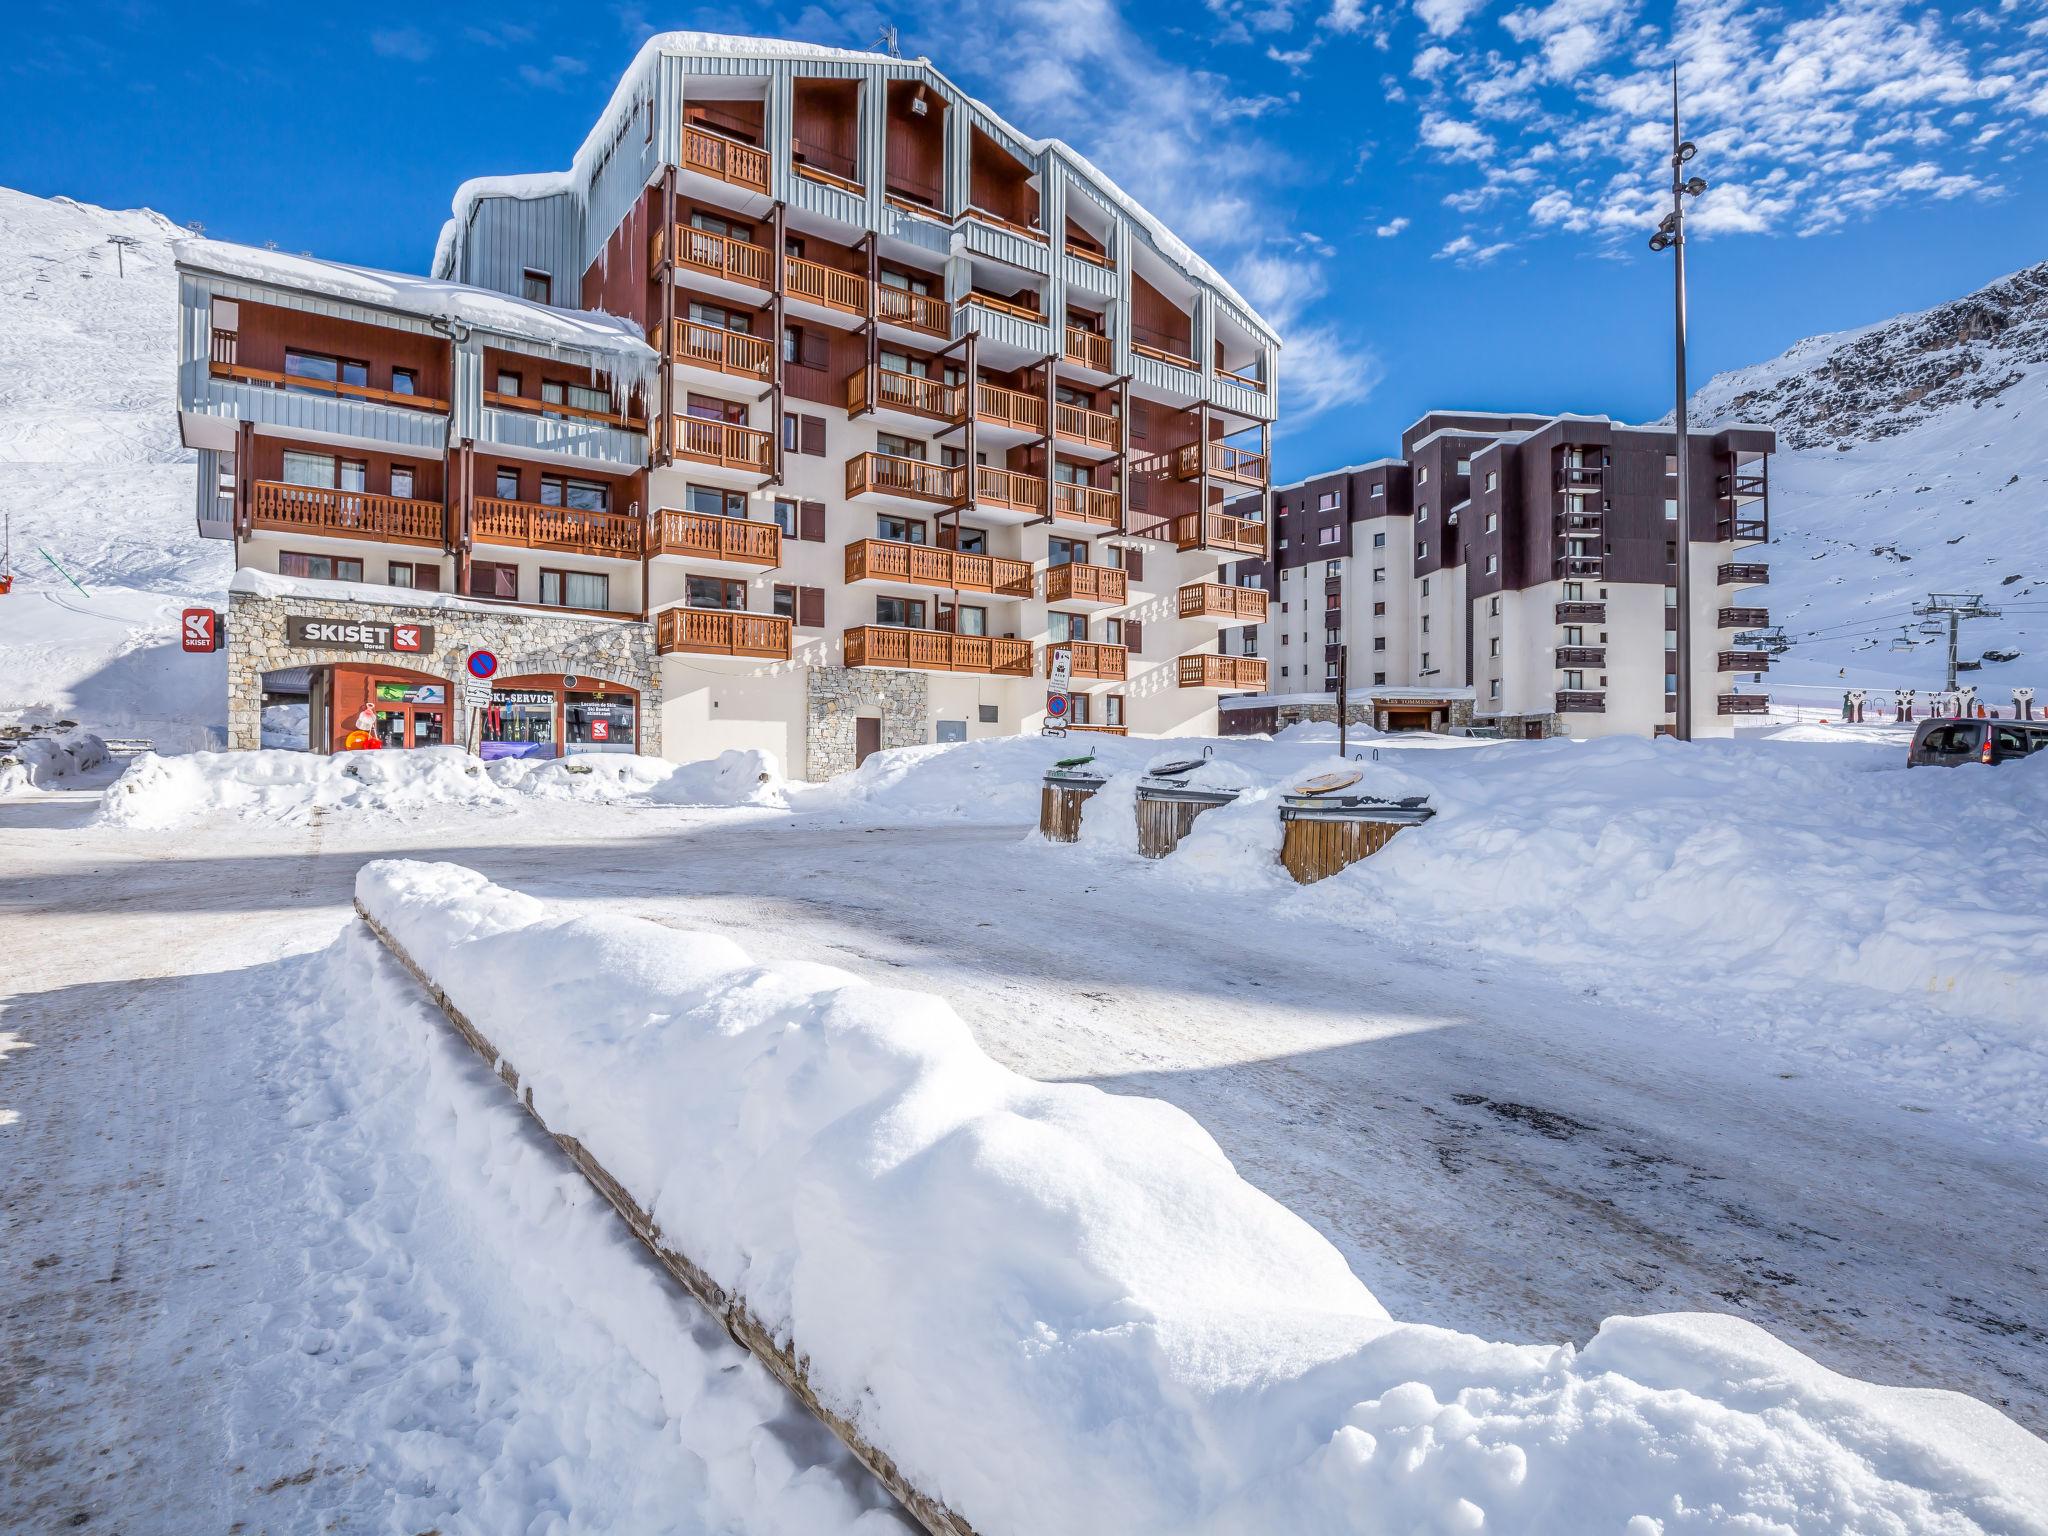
{"x":1670,"y":236}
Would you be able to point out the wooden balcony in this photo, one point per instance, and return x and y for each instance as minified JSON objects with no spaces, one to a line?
{"x":724,"y":632}
{"x":1240,"y":674}
{"x":913,"y":311}
{"x":1162,"y":348}
{"x":222,"y":364}
{"x":1582,"y":523}
{"x":1219,"y":531}
{"x":921,"y":565}
{"x":1744,"y":618}
{"x":933,"y":650}
{"x":723,"y":159}
{"x":826,"y":286}
{"x":1085,"y":504}
{"x":1087,"y":349}
{"x":706,"y":537}
{"x":1022,"y":231}
{"x":1580,"y":477}
{"x":530,"y":525}
{"x":1075,"y":582}
{"x":721,"y":443}
{"x":1218,"y":600}
{"x":1579,"y":567}
{"x":1236,"y":465}
{"x":1742,"y":704}
{"x":1742,"y":575}
{"x":999,"y":406}
{"x":1579,"y":656}
{"x":1092,"y":660}
{"x":718,"y":349}
{"x":348,"y":514}
{"x":1744,"y":661}
{"x":1580,"y":702}
{"x":1102,"y":730}
{"x":1581,"y":613}
{"x":884,"y":474}
{"x":1005,"y":490}
{"x":1249,"y":381}
{"x":1002,"y":306}
{"x":1078,"y":424}
{"x":712,"y":255}
{"x":906,"y":392}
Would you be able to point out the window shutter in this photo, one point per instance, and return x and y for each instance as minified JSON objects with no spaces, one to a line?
{"x":810,"y":607}
{"x":1134,"y":565}
{"x":810,"y":522}
{"x":817,"y":349}
{"x":811,"y":435}
{"x":1134,"y":636}
{"x":1141,"y":493}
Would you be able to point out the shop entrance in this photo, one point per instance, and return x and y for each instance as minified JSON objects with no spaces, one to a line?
{"x":402,"y":709}
{"x":550,"y":714}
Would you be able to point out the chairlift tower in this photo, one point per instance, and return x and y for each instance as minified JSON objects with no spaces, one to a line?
{"x":1954,"y":607}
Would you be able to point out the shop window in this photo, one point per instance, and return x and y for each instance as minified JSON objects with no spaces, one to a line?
{"x":494,"y":578}
{"x":599,"y":721}
{"x":320,"y":567}
{"x":576,"y":589}
{"x":519,"y":722}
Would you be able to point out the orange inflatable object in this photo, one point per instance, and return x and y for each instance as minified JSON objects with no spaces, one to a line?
{"x":362,"y":741}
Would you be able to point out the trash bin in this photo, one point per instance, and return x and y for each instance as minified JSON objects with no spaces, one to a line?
{"x":1322,"y":829}
{"x":1167,"y":806}
{"x":1068,"y":784}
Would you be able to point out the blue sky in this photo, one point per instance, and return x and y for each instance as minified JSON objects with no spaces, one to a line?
{"x":1441,"y":202}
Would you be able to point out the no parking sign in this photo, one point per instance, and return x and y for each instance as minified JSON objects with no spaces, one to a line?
{"x":1056,"y":705}
{"x":482,"y":664}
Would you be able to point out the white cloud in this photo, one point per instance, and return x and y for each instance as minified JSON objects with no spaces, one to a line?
{"x":1468,"y":252}
{"x":1454,"y":139}
{"x":1392,"y":227}
{"x":1443,"y":17}
{"x":1430,"y":62}
{"x":1345,"y":16}
{"x":555,"y":75}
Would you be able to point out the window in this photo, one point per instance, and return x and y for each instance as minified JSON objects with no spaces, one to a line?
{"x":1493,"y":480}
{"x":1066,"y":626}
{"x":320,"y":567}
{"x":1670,"y":463}
{"x":581,"y":495}
{"x":1493,"y":646}
{"x":536,"y":287}
{"x":508,"y":382}
{"x":1492,"y":564}
{"x":576,"y":589}
{"x":1379,"y":610}
{"x":1379,"y":642}
{"x":1326,"y":501}
{"x":1574,"y":591}
{"x":784,"y":604}
{"x":1112,"y":709}
{"x":1493,"y":607}
{"x":711,"y":408}
{"x":1670,"y":509}
{"x":1671,"y":597}
{"x":1422,"y":513}
{"x":1493,"y":688}
{"x":1425,"y":586}
{"x":971,"y":541}
{"x":1379,"y":490}
{"x":900,"y":530}
{"x":900,"y":612}
{"x":405,"y":381}
{"x":402,"y":481}
{"x":492,"y":578}
{"x":1060,"y":551}
{"x":1422,"y":475}
{"x":319,"y":368}
{"x":898,"y":446}
{"x":310,"y":469}
{"x":970,"y":621}
{"x":1573,"y":681}
{"x":354,"y":475}
{"x":718,"y":316}
{"x":1379,"y":573}
{"x":1329,"y":535}
{"x":1493,"y":522}
{"x":1422,"y":550}
{"x":1425,"y":623}
{"x":1425,"y":661}
{"x":716,"y":592}
{"x":785,"y":516}
{"x":1464,"y":466}
{"x":714,"y":502}
{"x":419,"y":575}
{"x":1379,"y":541}
{"x":718,"y":224}
{"x":508,"y":484}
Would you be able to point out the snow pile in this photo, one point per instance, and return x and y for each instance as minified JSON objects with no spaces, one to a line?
{"x":36,"y":760}
{"x":286,"y":726}
{"x":289,"y":787}
{"x":1061,"y":1310}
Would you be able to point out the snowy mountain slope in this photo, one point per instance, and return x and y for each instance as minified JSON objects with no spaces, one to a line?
{"x":91,"y":471}
{"x":1913,"y":458}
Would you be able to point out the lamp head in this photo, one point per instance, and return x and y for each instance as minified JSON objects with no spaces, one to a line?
{"x":1686,"y":151}
{"x":1696,"y":185}
{"x":1660,"y":241}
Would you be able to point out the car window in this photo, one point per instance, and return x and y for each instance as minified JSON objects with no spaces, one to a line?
{"x":2012,"y":742}
{"x":1950,"y":740}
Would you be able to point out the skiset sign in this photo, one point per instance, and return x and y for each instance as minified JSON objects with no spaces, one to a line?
{"x":359,"y":635}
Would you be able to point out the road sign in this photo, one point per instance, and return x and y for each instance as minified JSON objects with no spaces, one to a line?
{"x":476,"y":692}
{"x":1062,"y":669}
{"x":1056,"y":705}
{"x":482,"y":664}
{"x":200,"y":630}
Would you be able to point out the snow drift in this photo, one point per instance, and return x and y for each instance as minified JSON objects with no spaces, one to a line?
{"x":1061,"y":1310}
{"x":40,"y":760}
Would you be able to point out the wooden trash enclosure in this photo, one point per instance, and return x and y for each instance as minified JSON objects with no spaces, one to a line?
{"x":1167,"y":810}
{"x":1321,"y":834}
{"x":1066,"y":789}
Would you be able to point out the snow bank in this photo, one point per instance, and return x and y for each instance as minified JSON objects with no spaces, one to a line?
{"x":37,"y":760}
{"x":1060,"y":1310}
{"x":281,"y":786}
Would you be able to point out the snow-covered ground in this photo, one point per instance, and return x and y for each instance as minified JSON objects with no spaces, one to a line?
{"x":1504,"y":1127}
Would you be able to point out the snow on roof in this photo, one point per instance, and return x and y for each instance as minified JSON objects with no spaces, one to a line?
{"x":1342,"y":469}
{"x":627,"y":94}
{"x":430,"y":298}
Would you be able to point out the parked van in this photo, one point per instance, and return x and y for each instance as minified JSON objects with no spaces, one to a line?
{"x":1950,"y":743}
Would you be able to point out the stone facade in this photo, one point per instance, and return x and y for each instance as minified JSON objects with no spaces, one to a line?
{"x":1371,"y":713}
{"x":1516,"y":727}
{"x":619,"y":651}
{"x":837,"y":696}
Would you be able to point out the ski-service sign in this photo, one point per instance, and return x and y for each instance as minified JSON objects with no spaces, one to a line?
{"x":359,"y":635}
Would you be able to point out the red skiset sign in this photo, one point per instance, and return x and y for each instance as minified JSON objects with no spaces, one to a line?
{"x":200,"y":630}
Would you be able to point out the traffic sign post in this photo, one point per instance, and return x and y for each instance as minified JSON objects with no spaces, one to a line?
{"x":482,"y":664}
{"x":1055,"y":714}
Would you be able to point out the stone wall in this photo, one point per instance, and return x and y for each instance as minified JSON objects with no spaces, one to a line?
{"x":1516,"y":726}
{"x":1372,"y":713}
{"x":619,"y":651}
{"x":837,"y":696}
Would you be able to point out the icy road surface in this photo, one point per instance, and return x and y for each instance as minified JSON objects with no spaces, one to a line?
{"x":192,"y":1228}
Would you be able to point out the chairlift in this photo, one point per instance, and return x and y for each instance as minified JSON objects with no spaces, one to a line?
{"x":1903,"y":640}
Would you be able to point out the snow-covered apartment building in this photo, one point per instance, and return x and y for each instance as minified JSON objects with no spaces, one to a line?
{"x":1516,"y":571}
{"x":814,"y":408}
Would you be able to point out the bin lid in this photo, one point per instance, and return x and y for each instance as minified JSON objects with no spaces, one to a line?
{"x":1179,"y":768}
{"x":1328,"y":783}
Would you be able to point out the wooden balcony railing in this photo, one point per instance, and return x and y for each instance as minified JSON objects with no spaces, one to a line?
{"x":348,"y":514}
{"x":1219,"y":530}
{"x":844,"y":177}
{"x":1580,"y":477}
{"x":907,"y":392}
{"x":715,"y":347}
{"x":924,"y":566}
{"x":707,"y":536}
{"x":1099,"y":429}
{"x":1091,"y":255}
{"x":1742,"y":704}
{"x":1103,"y":730}
{"x":1581,"y":613}
{"x":1218,"y":600}
{"x":1008,"y":489}
{"x":721,"y":443}
{"x":825,"y":285}
{"x":1086,"y":504}
{"x":712,"y":154}
{"x":1075,"y":582}
{"x":1002,"y":306}
{"x":1580,"y":702}
{"x":932,"y":650}
{"x":1743,"y":575}
{"x":1176,"y":350}
{"x":1225,"y":463}
{"x":1576,"y":656}
{"x":1242,"y":380}
{"x":529,"y":525}
{"x":699,"y":250}
{"x":913,"y":311}
{"x":1092,"y":659}
{"x":724,"y":632}
{"x":1023,"y":231}
{"x":1744,"y":618}
{"x":886,"y":474}
{"x":1744,"y":661}
{"x":1579,"y":567}
{"x":221,"y":364}
{"x":1088,"y":349}
{"x":1002,"y":407}
{"x":1240,"y":673}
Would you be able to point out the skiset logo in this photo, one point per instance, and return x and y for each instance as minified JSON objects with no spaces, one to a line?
{"x":359,"y":635}
{"x":200,"y":630}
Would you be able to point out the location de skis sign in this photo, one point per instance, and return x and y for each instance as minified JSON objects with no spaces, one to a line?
{"x":359,"y":635}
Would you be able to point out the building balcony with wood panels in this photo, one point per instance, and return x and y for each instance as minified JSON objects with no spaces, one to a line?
{"x":918,"y":312}
{"x":1007,"y":496}
{"x":312,"y":510}
{"x":1743,"y":618}
{"x":1092,"y":660}
{"x":1099,"y":730}
{"x":1238,"y":466}
{"x":1742,"y":704}
{"x":1581,"y":613}
{"x":1098,"y":431}
{"x":1215,"y":531}
{"x":222,"y":363}
{"x":723,"y":159}
{"x":825,"y":288}
{"x":1088,"y":349}
{"x":934,"y":650}
{"x":724,"y":632}
{"x":1581,"y":702}
{"x":727,"y":262}
{"x":1579,"y":567}
{"x":1576,"y":656}
{"x":1237,"y":674}
{"x":1580,"y":477}
{"x":714,"y":543}
{"x":1079,"y":585}
{"x":890,"y":562}
{"x":891,"y":478}
{"x":1015,"y":414}
{"x":530,"y":525}
{"x":1744,"y":661}
{"x":712,"y":349}
{"x":1220,"y":603}
{"x":1086,"y":505}
{"x":742,"y":453}
{"x":906,"y":395}
{"x":1742,"y":575}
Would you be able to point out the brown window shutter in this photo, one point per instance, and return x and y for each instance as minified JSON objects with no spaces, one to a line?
{"x":1134,"y":564}
{"x":816,"y":350}
{"x":1141,"y":493}
{"x":810,"y":607}
{"x":811,"y":435}
{"x":1134,"y":636}
{"x":810,"y":522}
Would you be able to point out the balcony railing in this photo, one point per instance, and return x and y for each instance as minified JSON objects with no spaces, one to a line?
{"x":721,"y":443}
{"x":1580,"y":656}
{"x":1581,"y":613}
{"x":1743,"y":704}
{"x":913,"y":311}
{"x":1076,"y":582}
{"x":924,"y":566}
{"x":1003,"y":407}
{"x":1002,"y":306}
{"x":348,"y":514}
{"x":825,"y":285}
{"x":1743,"y":575}
{"x":221,"y":364}
{"x":714,"y":255}
{"x":1218,"y":600}
{"x":1090,"y":659}
{"x":1578,"y":522}
{"x":1085,"y":504}
{"x":933,"y":650}
{"x":1744,"y":661}
{"x":1219,"y":530}
{"x":708,"y":536}
{"x":1090,"y":255}
{"x":721,"y":350}
{"x":1745,"y":486}
{"x":1244,"y":674}
{"x":724,"y":632}
{"x":1077,"y":423}
{"x":529,"y":525}
{"x":1008,"y":490}
{"x":1104,"y":730}
{"x":1160,"y":345}
{"x":1022,"y":231}
{"x":1579,"y":567}
{"x":1088,"y":349}
{"x":906,"y":392}
{"x":1578,"y":702}
{"x":1744,"y":618}
{"x":1580,"y":476}
{"x":558,"y":410}
{"x":714,"y":155}
{"x":888,"y":475}
{"x":1225,"y":463}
